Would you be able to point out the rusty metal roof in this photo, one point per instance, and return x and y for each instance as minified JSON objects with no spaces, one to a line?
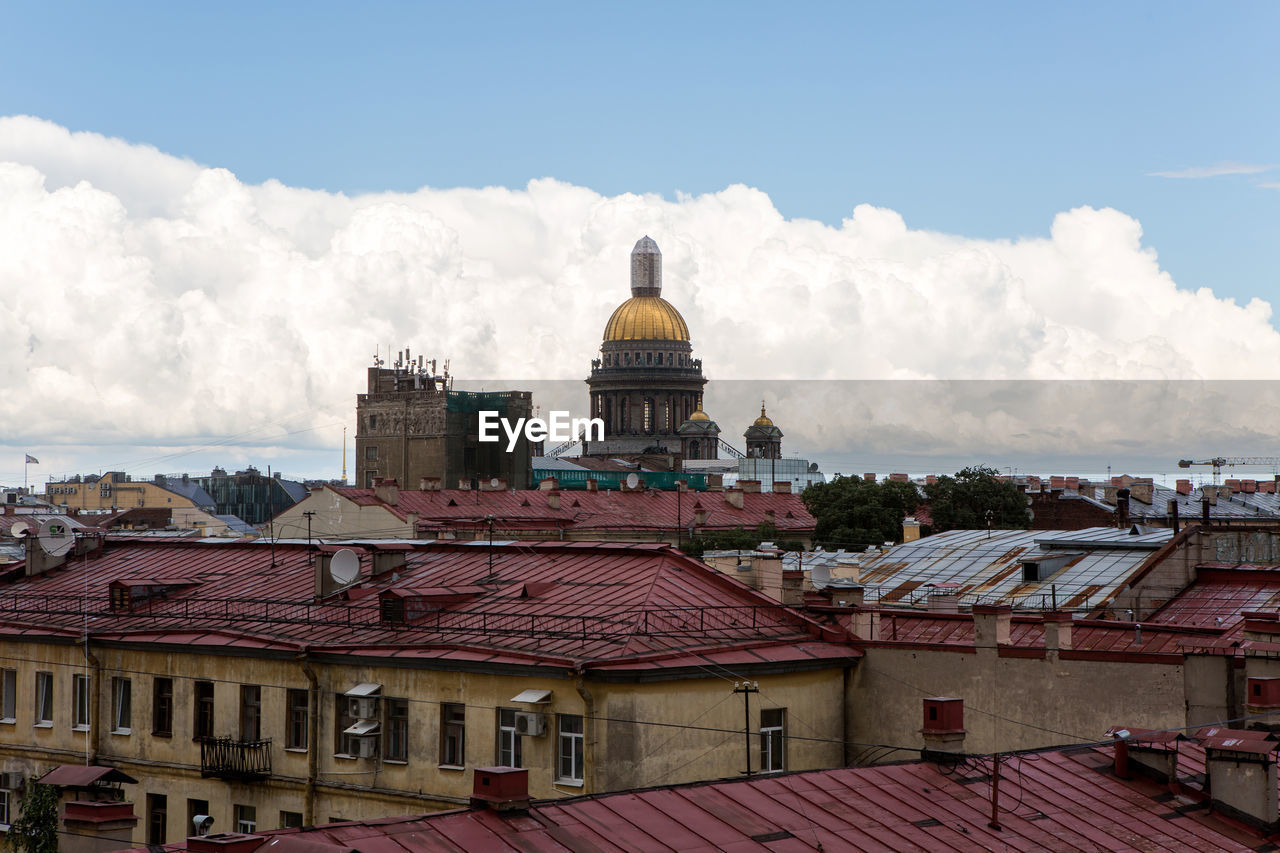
{"x":82,"y":776}
{"x":643,"y":605}
{"x":989,"y":568}
{"x":1064,"y":800}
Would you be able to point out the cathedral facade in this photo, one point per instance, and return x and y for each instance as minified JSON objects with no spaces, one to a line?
{"x":646,"y":383}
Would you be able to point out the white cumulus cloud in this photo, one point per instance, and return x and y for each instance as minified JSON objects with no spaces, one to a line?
{"x":150,"y":301}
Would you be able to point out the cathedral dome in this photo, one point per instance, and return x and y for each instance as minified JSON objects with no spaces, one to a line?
{"x":646,"y":318}
{"x":699,"y":416}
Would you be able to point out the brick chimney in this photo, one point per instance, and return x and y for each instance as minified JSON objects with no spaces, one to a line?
{"x":501,"y":789}
{"x":910,"y":529}
{"x":1142,"y":491}
{"x":429,"y":484}
{"x":1184,"y":487}
{"x":547,"y":484}
{"x":493,"y":484}
{"x":869,"y":477}
{"x":733,"y":497}
{"x":225,"y":842}
{"x":1072,"y":482}
{"x":943,"y":728}
{"x":749,"y":487}
{"x":387,"y":490}
{"x":991,"y":624}
{"x":899,"y":478}
{"x":782,"y":487}
{"x":553,"y":500}
{"x":593,"y":485}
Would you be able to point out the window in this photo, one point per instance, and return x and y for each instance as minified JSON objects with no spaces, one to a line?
{"x":371,"y":451}
{"x":157,"y":818}
{"x":8,"y":695}
{"x":250,"y":712}
{"x":121,"y":706}
{"x":195,"y":807}
{"x":344,"y":744}
{"x":296,"y":724}
{"x":397,"y":729}
{"x":82,"y":691}
{"x":508,"y":740}
{"x":453,"y":735}
{"x":772,"y":745}
{"x":246,"y":819}
{"x":569,"y":765}
{"x":373,"y":421}
{"x":290,"y":820}
{"x":203,"y":723}
{"x":44,"y":698}
{"x":4,"y":808}
{"x":162,"y":707}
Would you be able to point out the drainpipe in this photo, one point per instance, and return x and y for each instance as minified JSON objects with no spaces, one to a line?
{"x":95,"y":706}
{"x":589,"y":726}
{"x":313,"y":741}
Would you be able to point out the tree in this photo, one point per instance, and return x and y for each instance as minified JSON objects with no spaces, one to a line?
{"x":851,"y":511}
{"x":963,"y":502}
{"x":737,"y":540}
{"x":36,"y":829}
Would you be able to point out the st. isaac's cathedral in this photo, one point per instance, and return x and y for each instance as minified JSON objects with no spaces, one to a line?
{"x":647,"y":387}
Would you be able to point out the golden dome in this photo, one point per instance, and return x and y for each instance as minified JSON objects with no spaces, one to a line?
{"x":763,"y":420}
{"x":646,"y":318}
{"x":699,"y":415}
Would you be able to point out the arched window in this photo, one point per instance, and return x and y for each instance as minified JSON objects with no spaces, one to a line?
{"x":648,"y":415}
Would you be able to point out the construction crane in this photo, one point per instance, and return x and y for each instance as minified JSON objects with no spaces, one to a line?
{"x":1218,"y":462}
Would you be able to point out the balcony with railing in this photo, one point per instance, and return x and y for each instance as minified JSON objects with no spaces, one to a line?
{"x":235,"y":760}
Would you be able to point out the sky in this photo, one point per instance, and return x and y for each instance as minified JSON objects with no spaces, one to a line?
{"x":212,"y":215}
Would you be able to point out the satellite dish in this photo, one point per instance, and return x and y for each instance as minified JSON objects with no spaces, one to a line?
{"x":20,"y":530}
{"x":56,"y":537}
{"x":344,"y":567}
{"x":633,"y":480}
{"x":820,"y":575}
{"x":495,"y":482}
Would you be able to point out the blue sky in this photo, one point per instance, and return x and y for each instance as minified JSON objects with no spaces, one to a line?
{"x":976,"y":119}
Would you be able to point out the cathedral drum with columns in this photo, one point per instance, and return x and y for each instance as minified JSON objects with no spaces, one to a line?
{"x":646,"y":383}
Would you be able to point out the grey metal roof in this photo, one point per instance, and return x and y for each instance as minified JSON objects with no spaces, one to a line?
{"x":292,"y":488}
{"x":236,"y":524}
{"x":191,"y":491}
{"x":988,"y":568}
{"x":555,"y":463}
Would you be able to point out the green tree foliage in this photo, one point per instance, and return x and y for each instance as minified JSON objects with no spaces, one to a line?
{"x":737,"y":540}
{"x":851,"y":511}
{"x":963,"y":501}
{"x":36,"y":829}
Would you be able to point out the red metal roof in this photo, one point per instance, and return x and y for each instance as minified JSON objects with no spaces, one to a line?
{"x":1064,"y":800}
{"x":589,"y":511}
{"x":639,"y":605}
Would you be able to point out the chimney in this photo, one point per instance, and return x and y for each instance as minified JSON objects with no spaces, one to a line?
{"x":899,"y":478}
{"x":715,"y":482}
{"x":593,"y":485}
{"x":429,"y":484}
{"x":464,"y":484}
{"x":792,"y":586}
{"x":910,"y":529}
{"x":733,"y":497}
{"x":547,"y":484}
{"x":1142,"y":490}
{"x":1072,"y":482}
{"x":943,"y":728}
{"x":386,"y":490}
{"x":1057,"y":630}
{"x":225,"y":842}
{"x":1248,"y":486}
{"x":1057,"y":481}
{"x":501,"y":789}
{"x":943,"y":601}
{"x":1152,"y":754}
{"x":625,"y":488}
{"x":1122,"y":508}
{"x":493,"y":484}
{"x":749,"y":487}
{"x":991,"y":623}
{"x":1233,"y":485}
{"x":1241,"y":781}
{"x":870,"y":478}
{"x":1262,"y":696}
{"x":553,"y":499}
{"x":1184,"y":487}
{"x":782,"y":487}
{"x":931,"y":479}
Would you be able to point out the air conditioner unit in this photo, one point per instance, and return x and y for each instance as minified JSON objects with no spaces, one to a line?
{"x":366,"y":747}
{"x":364,"y":707}
{"x":11,"y":780}
{"x":531,"y":723}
